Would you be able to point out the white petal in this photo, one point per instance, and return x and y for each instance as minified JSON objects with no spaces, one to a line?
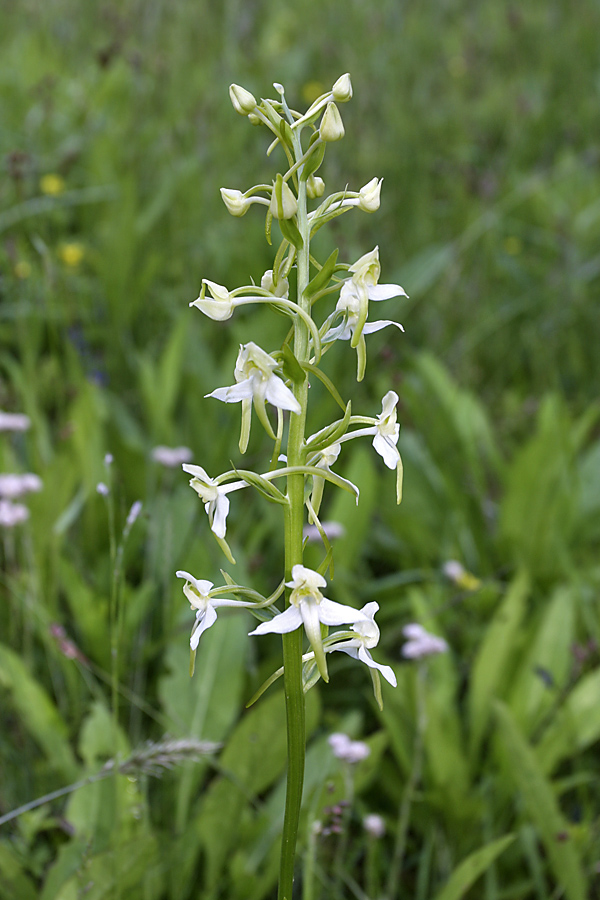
{"x":207,"y":619}
{"x":202,"y":586}
{"x":369,"y":609}
{"x":219,"y":520}
{"x":305,"y":577}
{"x":386,"y":671}
{"x":235,"y":392}
{"x":282,"y":624}
{"x":386,"y":291}
{"x":197,"y":472}
{"x":279,"y":395}
{"x":331,"y":613}
{"x":387,"y":450}
{"x":371,"y":327}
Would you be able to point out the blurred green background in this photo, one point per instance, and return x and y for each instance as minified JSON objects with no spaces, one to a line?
{"x":116,"y":133}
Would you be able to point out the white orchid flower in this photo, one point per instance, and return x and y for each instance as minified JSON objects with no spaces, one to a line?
{"x":310,"y":608}
{"x":214,"y":496}
{"x":364,"y":638}
{"x":198,"y":592}
{"x":256,"y":384}
{"x":386,"y":432}
{"x":354,"y":304}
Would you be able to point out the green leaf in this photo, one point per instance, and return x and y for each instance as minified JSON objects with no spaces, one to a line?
{"x":252,"y":761}
{"x":470,"y":869}
{"x":323,"y":277}
{"x":575,"y":726}
{"x":206,"y":706}
{"x":15,"y":884}
{"x":491,"y":665}
{"x":314,"y":370}
{"x":539,"y":799}
{"x":38,"y":713}
{"x":548,"y":656}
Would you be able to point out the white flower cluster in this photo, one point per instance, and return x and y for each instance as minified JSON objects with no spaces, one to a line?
{"x":12,"y":485}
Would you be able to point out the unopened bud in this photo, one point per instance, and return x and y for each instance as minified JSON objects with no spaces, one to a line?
{"x":281,"y":289}
{"x":369,"y":195}
{"x":332,"y":127}
{"x":315,"y":187}
{"x":243,"y":101}
{"x":342,"y":89}
{"x":235,"y":202}
{"x":283,"y":202}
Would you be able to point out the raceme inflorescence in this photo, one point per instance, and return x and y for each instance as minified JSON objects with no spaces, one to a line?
{"x":326,"y":302}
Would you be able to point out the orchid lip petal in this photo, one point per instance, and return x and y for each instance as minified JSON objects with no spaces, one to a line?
{"x":220,"y":509}
{"x":207,"y":618}
{"x":387,"y":450}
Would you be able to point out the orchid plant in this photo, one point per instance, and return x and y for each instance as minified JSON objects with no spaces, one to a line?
{"x":300,"y":464}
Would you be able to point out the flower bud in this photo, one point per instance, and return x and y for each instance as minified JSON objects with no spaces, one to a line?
{"x":368,"y":197}
{"x":243,"y":101}
{"x":254,"y":119}
{"x":315,"y":187}
{"x":332,"y":127}
{"x":235,"y":202}
{"x":220,"y":307}
{"x":342,"y":89}
{"x":281,"y":289}
{"x":283,"y":202}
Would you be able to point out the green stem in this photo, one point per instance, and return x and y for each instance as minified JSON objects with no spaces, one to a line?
{"x":294,"y":521}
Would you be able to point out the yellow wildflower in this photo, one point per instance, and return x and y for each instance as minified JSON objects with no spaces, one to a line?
{"x":52,"y":184}
{"x":22,"y":269}
{"x":71,"y":254}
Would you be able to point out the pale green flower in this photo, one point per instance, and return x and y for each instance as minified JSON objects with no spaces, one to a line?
{"x":198,"y":592}
{"x":256,"y":383}
{"x":214,"y":496}
{"x":310,"y":608}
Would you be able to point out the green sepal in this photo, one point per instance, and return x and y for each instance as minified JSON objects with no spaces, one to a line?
{"x":323,"y":277}
{"x":291,"y":367}
{"x":289,"y":230}
{"x":264,"y":487}
{"x":314,"y":160}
